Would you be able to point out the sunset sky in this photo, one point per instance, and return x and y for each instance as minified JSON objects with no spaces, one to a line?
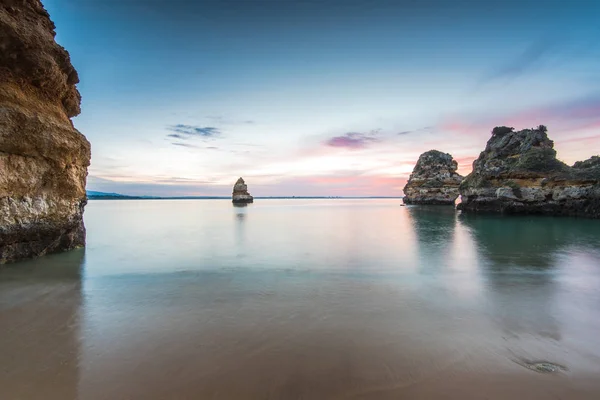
{"x":313,"y":98}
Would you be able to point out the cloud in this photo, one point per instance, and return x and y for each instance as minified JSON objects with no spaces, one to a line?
{"x":526,"y":61}
{"x":185,"y":132}
{"x":177,"y":136}
{"x":424,"y":129}
{"x":551,"y":51}
{"x":193,"y":130}
{"x":326,"y":185}
{"x":571,"y":115}
{"x":572,"y":124}
{"x":354,"y":140}
{"x":465,"y":164}
{"x":184,"y":145}
{"x":223,"y":120}
{"x":354,"y":184}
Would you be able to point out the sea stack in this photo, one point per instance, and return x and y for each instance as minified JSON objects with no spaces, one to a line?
{"x":240,"y":193}
{"x":43,"y":158}
{"x":434,"y":180}
{"x":518,"y":173}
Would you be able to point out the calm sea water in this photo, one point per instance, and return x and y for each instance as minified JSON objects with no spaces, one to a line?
{"x":310,"y":299}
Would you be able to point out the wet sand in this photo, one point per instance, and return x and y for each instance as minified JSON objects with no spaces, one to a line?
{"x":279,"y":335}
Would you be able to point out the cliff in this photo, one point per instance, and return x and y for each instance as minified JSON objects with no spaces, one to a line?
{"x":43,"y":158}
{"x":240,"y":193}
{"x":434,"y":180}
{"x":518,"y":173}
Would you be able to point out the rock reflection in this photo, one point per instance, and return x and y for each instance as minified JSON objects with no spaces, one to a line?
{"x":240,"y":229}
{"x":510,"y":242}
{"x":434,"y":228}
{"x":40,"y":304}
{"x":519,"y":265}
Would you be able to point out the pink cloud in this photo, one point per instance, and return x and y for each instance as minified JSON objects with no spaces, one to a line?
{"x":352,"y":140}
{"x":336,"y":185}
{"x":592,"y":140}
{"x":568,"y":116}
{"x":465,"y":165}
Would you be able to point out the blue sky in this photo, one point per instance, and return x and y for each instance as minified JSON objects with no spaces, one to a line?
{"x":331,"y":97}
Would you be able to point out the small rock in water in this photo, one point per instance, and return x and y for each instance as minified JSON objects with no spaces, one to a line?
{"x":240,"y":193}
{"x":545,"y":367}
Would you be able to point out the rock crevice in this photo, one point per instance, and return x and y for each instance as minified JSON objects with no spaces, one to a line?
{"x":43,"y":158}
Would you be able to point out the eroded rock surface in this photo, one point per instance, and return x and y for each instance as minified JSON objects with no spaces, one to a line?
{"x":518,"y":172}
{"x":434,"y":180}
{"x":240,"y":193}
{"x":43,"y":158}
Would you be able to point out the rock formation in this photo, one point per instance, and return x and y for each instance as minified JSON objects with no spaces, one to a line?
{"x":240,"y":193}
{"x":434,"y":180}
{"x":518,"y":173}
{"x":43,"y":158}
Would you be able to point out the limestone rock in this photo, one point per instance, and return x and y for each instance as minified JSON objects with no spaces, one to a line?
{"x":240,"y":193}
{"x":434,"y":180}
{"x":43,"y":158}
{"x":518,"y":172}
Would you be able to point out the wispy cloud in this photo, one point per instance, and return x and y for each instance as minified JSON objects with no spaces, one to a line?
{"x":223,"y":120}
{"x":354,"y":140}
{"x":194,"y":130}
{"x":177,"y":136}
{"x":531,"y":57}
{"x":185,"y":132}
{"x":572,"y":125}
{"x":424,"y":129}
{"x":184,"y":145}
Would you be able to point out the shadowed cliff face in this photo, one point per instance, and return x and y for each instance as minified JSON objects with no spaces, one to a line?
{"x":434,"y":180}
{"x":43,"y":158}
{"x":518,"y":173}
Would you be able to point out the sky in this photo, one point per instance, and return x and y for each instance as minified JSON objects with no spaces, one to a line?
{"x":321,"y":97}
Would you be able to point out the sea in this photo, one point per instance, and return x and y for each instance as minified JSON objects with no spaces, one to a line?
{"x":306,"y":299}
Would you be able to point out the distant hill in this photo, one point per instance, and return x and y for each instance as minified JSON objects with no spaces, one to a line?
{"x":93,"y":195}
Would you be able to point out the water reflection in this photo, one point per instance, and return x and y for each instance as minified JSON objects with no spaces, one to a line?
{"x":40,"y":304}
{"x":311,"y":299}
{"x":240,"y":228}
{"x":434,"y":227}
{"x":518,"y":259}
{"x":527,"y":242}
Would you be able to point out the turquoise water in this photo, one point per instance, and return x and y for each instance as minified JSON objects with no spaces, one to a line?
{"x":305,"y":299}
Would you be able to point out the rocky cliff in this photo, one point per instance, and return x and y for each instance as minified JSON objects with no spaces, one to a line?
{"x":518,"y":172}
{"x":240,"y":193}
{"x":43,"y":158}
{"x":434,"y":180}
